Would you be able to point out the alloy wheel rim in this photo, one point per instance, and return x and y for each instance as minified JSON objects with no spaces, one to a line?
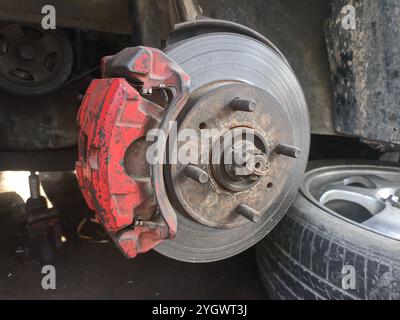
{"x":364,"y":195}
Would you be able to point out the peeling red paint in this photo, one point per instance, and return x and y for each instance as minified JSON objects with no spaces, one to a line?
{"x":110,"y":120}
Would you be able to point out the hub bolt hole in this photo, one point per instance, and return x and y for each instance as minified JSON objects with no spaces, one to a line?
{"x":203,"y":126}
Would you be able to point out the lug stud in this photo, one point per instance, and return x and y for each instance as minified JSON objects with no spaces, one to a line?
{"x":196,"y":174}
{"x":289,"y":151}
{"x":243,"y":105}
{"x":248,"y":213}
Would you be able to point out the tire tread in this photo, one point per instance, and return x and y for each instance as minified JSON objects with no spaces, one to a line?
{"x":306,"y":263}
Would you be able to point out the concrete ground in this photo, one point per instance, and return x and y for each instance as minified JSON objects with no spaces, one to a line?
{"x":98,"y":271}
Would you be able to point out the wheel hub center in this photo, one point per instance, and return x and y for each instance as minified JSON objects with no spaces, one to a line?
{"x":243,"y":160}
{"x":27,"y":52}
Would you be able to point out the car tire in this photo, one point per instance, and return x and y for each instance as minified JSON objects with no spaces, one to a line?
{"x":305,"y":255}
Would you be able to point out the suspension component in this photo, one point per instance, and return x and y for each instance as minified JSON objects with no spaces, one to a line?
{"x":43,"y":237}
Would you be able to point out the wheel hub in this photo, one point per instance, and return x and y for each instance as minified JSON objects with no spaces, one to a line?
{"x":230,"y":169}
{"x":235,"y":153}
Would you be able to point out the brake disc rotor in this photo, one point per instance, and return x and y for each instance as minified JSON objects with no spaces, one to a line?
{"x":221,"y":214}
{"x":33,"y":61}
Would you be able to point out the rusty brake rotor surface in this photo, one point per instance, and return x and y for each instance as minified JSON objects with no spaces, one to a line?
{"x":243,"y":90}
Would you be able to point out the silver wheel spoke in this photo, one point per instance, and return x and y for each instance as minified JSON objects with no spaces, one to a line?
{"x":383,"y":188}
{"x":362,"y":196}
{"x":377,"y":181}
{"x":365,"y":181}
{"x":367,"y":195}
{"x":386,"y":222}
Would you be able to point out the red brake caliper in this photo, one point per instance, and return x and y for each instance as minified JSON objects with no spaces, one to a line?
{"x":113,"y":116}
